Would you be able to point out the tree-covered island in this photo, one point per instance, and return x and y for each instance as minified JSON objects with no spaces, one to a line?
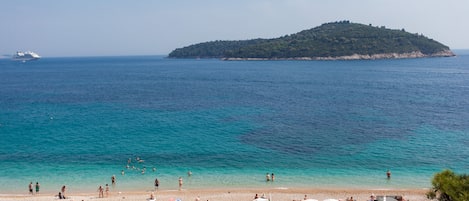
{"x":331,"y":41}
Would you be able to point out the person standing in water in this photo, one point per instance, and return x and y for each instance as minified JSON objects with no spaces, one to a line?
{"x":37,"y":187}
{"x":63,"y":190}
{"x":267,"y":177}
{"x":30,"y":188}
{"x":388,"y":174}
{"x":180,"y":183}
{"x":157,"y":183}
{"x":107,"y":190}
{"x":113,"y":180}
{"x":101,"y":192}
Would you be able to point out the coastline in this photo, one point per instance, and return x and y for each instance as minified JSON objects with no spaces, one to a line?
{"x":411,"y":55}
{"x":232,"y":194}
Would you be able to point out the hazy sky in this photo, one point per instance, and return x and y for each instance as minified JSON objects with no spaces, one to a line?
{"x":149,"y":27}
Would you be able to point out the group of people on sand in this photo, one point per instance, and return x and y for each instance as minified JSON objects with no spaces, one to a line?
{"x":262,"y":196}
{"x":374,"y":198}
{"x":101,"y":191}
{"x":61,"y":194}
{"x":37,"y":186}
{"x":32,"y":186}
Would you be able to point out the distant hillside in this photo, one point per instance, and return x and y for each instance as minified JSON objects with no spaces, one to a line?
{"x":336,"y":40}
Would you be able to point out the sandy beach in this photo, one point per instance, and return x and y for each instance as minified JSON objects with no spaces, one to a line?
{"x":226,"y":194}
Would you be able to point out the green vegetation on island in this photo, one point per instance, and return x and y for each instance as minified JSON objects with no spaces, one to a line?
{"x":336,"y":40}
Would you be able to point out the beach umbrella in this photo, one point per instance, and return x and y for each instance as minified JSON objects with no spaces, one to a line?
{"x":261,"y":199}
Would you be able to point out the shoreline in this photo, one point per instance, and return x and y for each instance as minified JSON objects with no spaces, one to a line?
{"x":410,"y":55}
{"x":234,"y":194}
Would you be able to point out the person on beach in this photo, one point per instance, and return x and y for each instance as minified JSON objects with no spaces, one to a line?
{"x":272,"y":176}
{"x":107,"y":190}
{"x":157,"y":183}
{"x":197,"y":198}
{"x":37,"y":187}
{"x":63,"y":190}
{"x":267,"y":177}
{"x":152,"y":196}
{"x":388,"y":174}
{"x":306,"y":197}
{"x":61,"y":196}
{"x":30,"y":188}
{"x":180,"y":183}
{"x":100,"y":192}
{"x":256,"y":196}
{"x":372,"y":197}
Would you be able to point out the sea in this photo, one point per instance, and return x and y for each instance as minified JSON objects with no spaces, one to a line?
{"x":77,"y":121}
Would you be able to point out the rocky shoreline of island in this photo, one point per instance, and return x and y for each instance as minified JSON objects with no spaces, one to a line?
{"x":410,"y":55}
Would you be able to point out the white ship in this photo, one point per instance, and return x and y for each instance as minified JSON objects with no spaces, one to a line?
{"x":25,"y":56}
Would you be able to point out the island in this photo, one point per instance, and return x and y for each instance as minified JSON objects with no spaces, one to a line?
{"x":342,"y":40}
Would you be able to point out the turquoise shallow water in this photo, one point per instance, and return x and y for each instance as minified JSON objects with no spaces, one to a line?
{"x":76,"y":121}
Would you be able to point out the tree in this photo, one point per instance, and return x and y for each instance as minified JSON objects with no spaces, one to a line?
{"x":448,"y":186}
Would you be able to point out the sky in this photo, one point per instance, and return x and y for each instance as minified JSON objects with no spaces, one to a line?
{"x":57,"y":28}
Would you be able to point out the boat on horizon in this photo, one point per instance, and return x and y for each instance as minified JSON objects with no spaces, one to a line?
{"x":25,"y":56}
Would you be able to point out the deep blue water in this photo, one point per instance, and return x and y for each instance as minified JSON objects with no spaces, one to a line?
{"x":76,"y":121}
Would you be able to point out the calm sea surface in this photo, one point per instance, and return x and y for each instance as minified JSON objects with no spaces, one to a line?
{"x":76,"y":121}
